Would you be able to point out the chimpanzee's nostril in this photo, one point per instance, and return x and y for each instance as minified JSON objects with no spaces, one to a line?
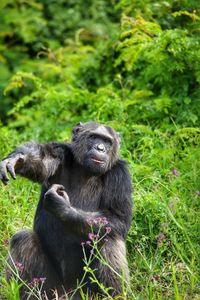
{"x":101,"y":147}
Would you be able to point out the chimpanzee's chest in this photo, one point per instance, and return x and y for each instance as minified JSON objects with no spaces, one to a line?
{"x":84,"y":193}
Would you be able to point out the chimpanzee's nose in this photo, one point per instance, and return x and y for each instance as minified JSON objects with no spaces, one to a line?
{"x":101,"y":147}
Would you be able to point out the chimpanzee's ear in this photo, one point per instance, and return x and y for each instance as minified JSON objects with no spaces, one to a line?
{"x":76,"y":129}
{"x":118,"y":138}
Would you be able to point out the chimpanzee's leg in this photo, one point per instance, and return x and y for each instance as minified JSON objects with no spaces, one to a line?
{"x":114,"y":273}
{"x":30,"y":261}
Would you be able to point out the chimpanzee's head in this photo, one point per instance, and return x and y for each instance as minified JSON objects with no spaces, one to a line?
{"x":95,"y":146}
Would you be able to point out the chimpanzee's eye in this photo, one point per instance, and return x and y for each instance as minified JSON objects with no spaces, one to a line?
{"x":108,"y":142}
{"x":94,"y":138}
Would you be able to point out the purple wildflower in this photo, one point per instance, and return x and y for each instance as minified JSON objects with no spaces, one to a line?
{"x":90,"y":222}
{"x":161,"y":238}
{"x":33,"y":283}
{"x":175,"y":172}
{"x":108,"y":229}
{"x":95,"y":221}
{"x":42,"y":279}
{"x":36,"y":281}
{"x":102,"y":221}
{"x":197,"y":193}
{"x":19,"y":266}
{"x":91,"y":236}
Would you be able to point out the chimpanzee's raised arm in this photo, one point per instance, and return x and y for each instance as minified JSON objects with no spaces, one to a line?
{"x":33,"y":160}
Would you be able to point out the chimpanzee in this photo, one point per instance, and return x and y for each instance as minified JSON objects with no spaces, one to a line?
{"x":83,"y":183}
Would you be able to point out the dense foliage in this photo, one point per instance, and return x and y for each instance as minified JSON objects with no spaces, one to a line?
{"x":135,"y":66}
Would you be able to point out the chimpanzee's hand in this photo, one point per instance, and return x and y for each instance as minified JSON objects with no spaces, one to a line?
{"x":8,"y":165}
{"x":56,"y":200}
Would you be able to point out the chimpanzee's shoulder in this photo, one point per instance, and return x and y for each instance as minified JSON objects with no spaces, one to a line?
{"x":120,"y":166}
{"x":58,"y":149}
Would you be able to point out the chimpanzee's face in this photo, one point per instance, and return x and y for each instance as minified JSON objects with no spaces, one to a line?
{"x":97,"y":156}
{"x":95,"y":147}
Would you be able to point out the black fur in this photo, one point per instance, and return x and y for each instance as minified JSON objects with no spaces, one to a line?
{"x":75,"y":188}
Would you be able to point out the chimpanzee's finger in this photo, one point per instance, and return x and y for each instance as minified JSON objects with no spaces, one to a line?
{"x":4,"y":178}
{"x":3,"y":173}
{"x":11,"y":170}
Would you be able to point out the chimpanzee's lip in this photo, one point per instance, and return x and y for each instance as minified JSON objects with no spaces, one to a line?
{"x":97,"y":160}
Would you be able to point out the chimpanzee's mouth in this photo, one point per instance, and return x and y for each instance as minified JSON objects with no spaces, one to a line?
{"x":96,"y":160}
